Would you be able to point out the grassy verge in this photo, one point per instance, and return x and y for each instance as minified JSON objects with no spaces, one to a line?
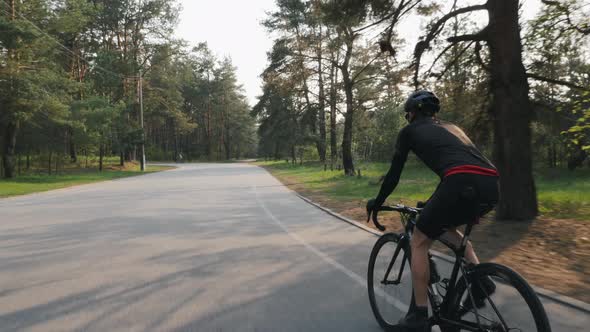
{"x":38,"y":182}
{"x":562,"y":194}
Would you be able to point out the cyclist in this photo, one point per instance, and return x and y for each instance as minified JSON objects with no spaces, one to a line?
{"x":468,"y":189}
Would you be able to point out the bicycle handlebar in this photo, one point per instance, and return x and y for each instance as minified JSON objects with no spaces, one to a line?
{"x":398,"y":207}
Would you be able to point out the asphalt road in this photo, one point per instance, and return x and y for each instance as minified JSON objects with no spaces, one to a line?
{"x":206,"y":247}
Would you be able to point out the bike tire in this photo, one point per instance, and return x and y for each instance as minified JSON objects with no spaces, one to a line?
{"x":509,"y":279}
{"x":390,"y":240}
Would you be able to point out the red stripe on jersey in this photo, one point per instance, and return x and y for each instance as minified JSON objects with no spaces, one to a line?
{"x":471,"y":169}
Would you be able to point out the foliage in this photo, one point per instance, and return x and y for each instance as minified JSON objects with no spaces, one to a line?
{"x":558,"y":50}
{"x":71,"y":72}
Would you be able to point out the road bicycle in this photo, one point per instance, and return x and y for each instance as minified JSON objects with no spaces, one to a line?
{"x":513,"y":307}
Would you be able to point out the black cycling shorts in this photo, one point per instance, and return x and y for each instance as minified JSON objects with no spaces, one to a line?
{"x":458,"y":200}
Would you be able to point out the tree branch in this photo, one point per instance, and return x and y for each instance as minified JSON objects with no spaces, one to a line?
{"x":402,"y":9}
{"x":480,"y":36}
{"x":435,"y":29}
{"x":368,"y":78}
{"x":556,"y":81}
{"x":439,"y":56}
{"x":364,"y":68}
{"x":478,"y":57}
{"x":438,"y":25}
{"x":374,"y":23}
{"x":565,"y":9}
{"x":454,"y":62}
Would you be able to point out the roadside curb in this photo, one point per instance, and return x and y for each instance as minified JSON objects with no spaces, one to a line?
{"x":553,"y":296}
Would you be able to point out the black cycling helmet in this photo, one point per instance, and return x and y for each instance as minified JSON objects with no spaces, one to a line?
{"x":422,"y":101}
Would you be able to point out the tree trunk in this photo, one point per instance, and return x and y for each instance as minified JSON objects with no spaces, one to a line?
{"x":72,"y":147}
{"x":100,"y":156}
{"x":293,"y":155}
{"x":300,"y":156}
{"x":276,"y":151}
{"x":49,"y":162}
{"x":11,"y":128}
{"x":321,"y":105}
{"x":333,"y":102}
{"x":209,"y":138}
{"x":9,"y":148}
{"x":121,"y":158}
{"x":347,"y":162}
{"x":176,"y":151}
{"x":128,"y":155}
{"x":227,"y":142}
{"x":512,"y":114}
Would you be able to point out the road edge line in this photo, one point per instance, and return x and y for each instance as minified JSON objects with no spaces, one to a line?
{"x":551,"y":295}
{"x":362,"y":281}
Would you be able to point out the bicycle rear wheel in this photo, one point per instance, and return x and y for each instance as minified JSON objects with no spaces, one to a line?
{"x":512,"y":307}
{"x":389,"y":279}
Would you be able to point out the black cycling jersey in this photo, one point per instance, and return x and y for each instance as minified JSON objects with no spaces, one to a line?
{"x":440,"y":145}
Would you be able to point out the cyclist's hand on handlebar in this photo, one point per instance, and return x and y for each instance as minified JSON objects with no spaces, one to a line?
{"x":372,"y":211}
{"x":371,"y":207}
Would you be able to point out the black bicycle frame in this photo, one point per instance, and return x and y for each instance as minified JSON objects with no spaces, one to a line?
{"x":444,"y":309}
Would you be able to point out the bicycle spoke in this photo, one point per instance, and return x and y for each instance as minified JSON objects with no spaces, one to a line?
{"x":391,"y":264}
{"x":388,"y":297}
{"x":495,"y":310}
{"x":401,"y":270}
{"x":504,"y":309}
{"x":475,"y":313}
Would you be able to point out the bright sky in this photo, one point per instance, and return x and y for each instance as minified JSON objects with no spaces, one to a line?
{"x":232,"y":28}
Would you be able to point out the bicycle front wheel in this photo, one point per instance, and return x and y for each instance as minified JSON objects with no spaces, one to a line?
{"x":389,"y":279}
{"x":512,"y":307}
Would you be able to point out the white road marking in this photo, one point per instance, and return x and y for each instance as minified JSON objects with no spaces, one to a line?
{"x":357,"y":278}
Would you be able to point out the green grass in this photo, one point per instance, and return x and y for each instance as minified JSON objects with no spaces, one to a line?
{"x":561,"y":193}
{"x":32,"y":183}
{"x":564,"y":194}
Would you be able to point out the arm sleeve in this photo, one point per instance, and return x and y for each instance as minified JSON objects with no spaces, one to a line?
{"x":397,"y":164}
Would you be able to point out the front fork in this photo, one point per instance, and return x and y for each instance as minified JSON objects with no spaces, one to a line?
{"x":404,"y":242}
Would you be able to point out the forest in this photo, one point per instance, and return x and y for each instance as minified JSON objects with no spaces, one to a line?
{"x":98,"y":78}
{"x":338,"y":76}
{"x":108,"y":79}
